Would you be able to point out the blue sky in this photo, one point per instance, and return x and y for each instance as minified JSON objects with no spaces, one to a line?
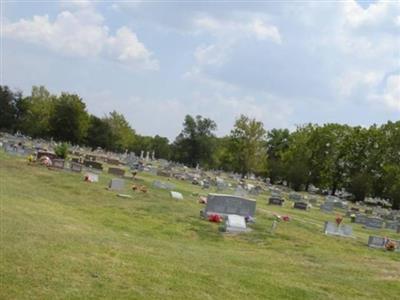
{"x":284,"y":63}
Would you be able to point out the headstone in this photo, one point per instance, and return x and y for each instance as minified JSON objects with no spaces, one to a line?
{"x":360,"y":219}
{"x":50,"y":155}
{"x":116,"y":184}
{"x":295,"y":197}
{"x":376,"y":242}
{"x":163,"y":185}
{"x":331,"y":228}
{"x":235,"y":224}
{"x":376,"y":223}
{"x":301,"y":205}
{"x":113,"y":161}
{"x":116,"y":171}
{"x":58,"y":163}
{"x":313,"y":200}
{"x":275,"y":201}
{"x":76,"y":167}
{"x":163,"y":173}
{"x":176,"y":195}
{"x":93,"y":164}
{"x":392,"y":225}
{"x":229,"y":204}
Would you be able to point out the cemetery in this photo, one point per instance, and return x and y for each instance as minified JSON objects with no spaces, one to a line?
{"x":114,"y":224}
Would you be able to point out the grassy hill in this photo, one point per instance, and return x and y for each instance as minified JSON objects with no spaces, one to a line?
{"x":63,"y":238}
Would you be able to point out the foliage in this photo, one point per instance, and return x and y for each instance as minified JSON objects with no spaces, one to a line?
{"x":9,"y":108}
{"x":331,"y":157}
{"x":61,"y":150}
{"x":195,"y":144}
{"x":248,"y":146}
{"x":123,"y":136}
{"x":69,"y":120}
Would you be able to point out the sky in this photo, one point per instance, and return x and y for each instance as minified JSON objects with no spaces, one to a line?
{"x":283,"y":63}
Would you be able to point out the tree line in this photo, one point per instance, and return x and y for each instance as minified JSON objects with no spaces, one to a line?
{"x":364,"y":161}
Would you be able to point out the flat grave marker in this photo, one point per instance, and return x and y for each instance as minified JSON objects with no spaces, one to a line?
{"x":235,"y":224}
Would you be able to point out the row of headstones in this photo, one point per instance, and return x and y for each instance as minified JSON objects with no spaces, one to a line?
{"x":275,"y":200}
{"x":17,"y":150}
{"x":374,"y":222}
{"x":331,"y":228}
{"x":77,"y":167}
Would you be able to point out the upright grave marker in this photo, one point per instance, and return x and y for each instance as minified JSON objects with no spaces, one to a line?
{"x":229,"y":204}
{"x":116,"y":171}
{"x":116,"y":184}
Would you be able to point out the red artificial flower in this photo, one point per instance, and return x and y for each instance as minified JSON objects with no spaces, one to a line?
{"x":215,"y":218}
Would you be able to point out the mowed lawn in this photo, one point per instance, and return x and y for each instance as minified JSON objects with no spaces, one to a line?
{"x":63,"y":238}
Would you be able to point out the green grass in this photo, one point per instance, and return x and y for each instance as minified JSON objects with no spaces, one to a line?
{"x":63,"y":238}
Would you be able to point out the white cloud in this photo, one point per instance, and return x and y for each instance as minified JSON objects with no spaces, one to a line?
{"x":391,"y":93}
{"x":82,"y":33}
{"x":228,"y":29}
{"x":227,"y":34}
{"x":351,"y":81}
{"x":77,"y":4}
{"x":378,"y":13}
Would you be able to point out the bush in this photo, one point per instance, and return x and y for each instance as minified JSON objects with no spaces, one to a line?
{"x":62,"y":150}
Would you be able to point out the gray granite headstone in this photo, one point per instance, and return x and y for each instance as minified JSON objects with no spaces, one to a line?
{"x":76,"y":167}
{"x":163,"y":185}
{"x":116,"y":171}
{"x":361,"y":219}
{"x":376,"y":242}
{"x":275,"y":201}
{"x":116,"y":184}
{"x":301,"y":205}
{"x":229,"y":204}
{"x":295,"y":197}
{"x":392,"y":225}
{"x":376,"y":223}
{"x":326,"y":207}
{"x":331,"y":228}
{"x":93,"y":164}
{"x":58,"y":163}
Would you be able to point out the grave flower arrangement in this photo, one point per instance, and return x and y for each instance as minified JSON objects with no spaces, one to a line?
{"x":281,"y":218}
{"x":216,"y":218}
{"x":202,"y":200}
{"x":338,"y":220}
{"x":390,"y":245}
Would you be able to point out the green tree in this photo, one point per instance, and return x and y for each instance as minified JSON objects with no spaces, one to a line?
{"x":36,"y":112}
{"x":69,"y":120}
{"x":248,"y":146}
{"x":277,"y":145}
{"x":195,"y":144}
{"x":123,"y":136}
{"x":99,"y":133}
{"x":9,"y":109}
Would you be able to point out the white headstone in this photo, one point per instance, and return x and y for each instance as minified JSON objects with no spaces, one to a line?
{"x":176,"y":195}
{"x":235,"y":223}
